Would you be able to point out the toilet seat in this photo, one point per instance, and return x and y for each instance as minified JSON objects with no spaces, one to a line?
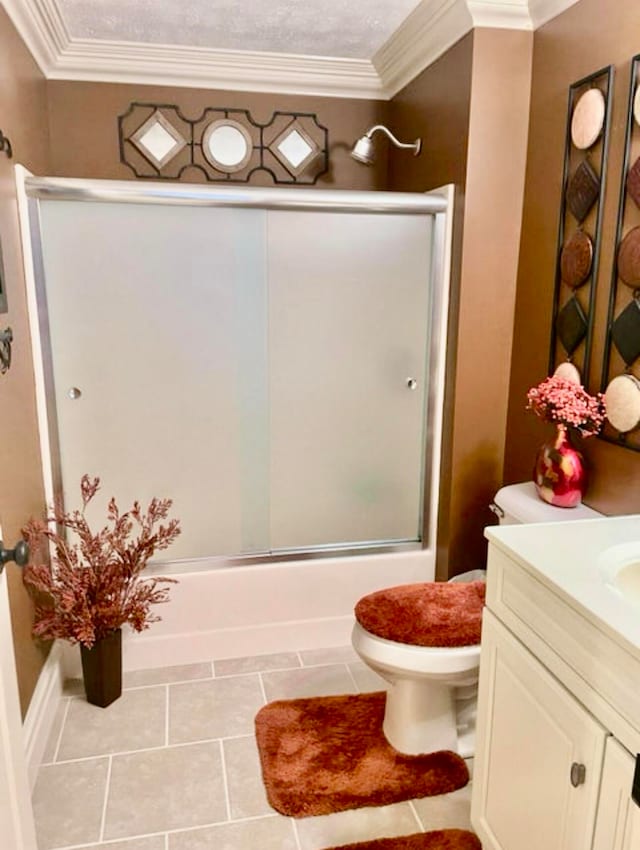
{"x":427,"y":614}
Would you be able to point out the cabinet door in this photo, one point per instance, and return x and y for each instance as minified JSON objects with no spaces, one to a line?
{"x":531,"y":732}
{"x":618,"y":823}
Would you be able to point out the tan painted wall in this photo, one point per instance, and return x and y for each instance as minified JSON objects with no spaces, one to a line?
{"x":472,"y":107}
{"x":23,"y":118}
{"x":588,"y":36}
{"x":84,"y":127}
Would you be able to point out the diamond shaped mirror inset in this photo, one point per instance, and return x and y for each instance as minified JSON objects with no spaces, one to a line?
{"x":227,"y":145}
{"x":158,"y":140}
{"x":295,"y":148}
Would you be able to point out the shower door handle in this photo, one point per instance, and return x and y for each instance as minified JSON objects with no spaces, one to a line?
{"x":412,"y":384}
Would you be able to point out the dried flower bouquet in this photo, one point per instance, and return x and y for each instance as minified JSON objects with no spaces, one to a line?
{"x":93,"y":586}
{"x":568,"y":404}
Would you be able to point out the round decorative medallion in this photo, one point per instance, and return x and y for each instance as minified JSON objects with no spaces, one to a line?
{"x":568,"y":372}
{"x":588,"y":119}
{"x":622,"y":400}
{"x":629,"y":258}
{"x":576,"y":259}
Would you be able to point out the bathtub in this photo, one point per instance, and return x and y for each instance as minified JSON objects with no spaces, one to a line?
{"x":225,"y":612}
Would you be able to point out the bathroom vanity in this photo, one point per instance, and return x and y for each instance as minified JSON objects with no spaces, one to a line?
{"x":559,"y":696}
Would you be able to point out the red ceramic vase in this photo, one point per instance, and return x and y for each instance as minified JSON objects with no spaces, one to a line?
{"x":560,"y":473}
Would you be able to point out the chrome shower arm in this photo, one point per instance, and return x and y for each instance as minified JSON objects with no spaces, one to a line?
{"x":414,"y":146}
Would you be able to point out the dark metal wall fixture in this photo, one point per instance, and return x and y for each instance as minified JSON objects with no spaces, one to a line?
{"x":621,"y":363}
{"x":5,"y":145}
{"x":222,"y":145}
{"x":580,"y":224}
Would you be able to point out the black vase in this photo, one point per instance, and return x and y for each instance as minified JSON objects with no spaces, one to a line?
{"x":102,"y":669}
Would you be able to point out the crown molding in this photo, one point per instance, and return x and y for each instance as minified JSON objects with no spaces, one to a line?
{"x":429,"y":31}
{"x":544,"y":10}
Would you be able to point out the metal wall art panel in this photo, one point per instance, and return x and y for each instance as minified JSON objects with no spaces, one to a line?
{"x":621,"y":359}
{"x":580,"y":223}
{"x":157,"y":141}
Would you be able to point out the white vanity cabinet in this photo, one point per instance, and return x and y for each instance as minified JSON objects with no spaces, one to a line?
{"x":618,"y":823}
{"x":554,"y":691}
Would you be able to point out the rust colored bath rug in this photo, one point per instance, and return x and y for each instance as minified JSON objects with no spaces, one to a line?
{"x":327,"y":754}
{"x":440,"y":839}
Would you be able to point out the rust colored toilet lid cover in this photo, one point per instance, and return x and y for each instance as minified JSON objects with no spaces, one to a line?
{"x":588,"y":119}
{"x":436,"y":614}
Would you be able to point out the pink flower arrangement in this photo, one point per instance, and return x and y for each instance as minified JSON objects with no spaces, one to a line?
{"x":569,"y":404}
{"x":93,"y":586}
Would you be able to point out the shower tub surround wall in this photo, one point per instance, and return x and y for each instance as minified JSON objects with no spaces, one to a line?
{"x":285,"y":526}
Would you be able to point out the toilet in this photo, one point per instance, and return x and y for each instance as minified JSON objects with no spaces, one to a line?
{"x":424,"y":641}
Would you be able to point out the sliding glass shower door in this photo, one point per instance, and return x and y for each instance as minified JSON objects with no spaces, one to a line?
{"x":266,"y":369}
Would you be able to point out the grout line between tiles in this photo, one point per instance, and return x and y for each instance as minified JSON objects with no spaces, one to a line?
{"x":106,"y":797}
{"x":225,"y":781}
{"x":416,"y":815}
{"x":295,"y":834}
{"x":353,"y":678}
{"x":166,"y":841}
{"x":262,"y":688}
{"x":60,"y":733}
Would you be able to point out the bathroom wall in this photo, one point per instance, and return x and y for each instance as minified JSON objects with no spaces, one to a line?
{"x":23,"y":118}
{"x":588,"y":36}
{"x":83,"y":121}
{"x":472,"y":108}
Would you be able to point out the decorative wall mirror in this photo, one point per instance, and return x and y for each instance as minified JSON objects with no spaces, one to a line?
{"x":227,"y":145}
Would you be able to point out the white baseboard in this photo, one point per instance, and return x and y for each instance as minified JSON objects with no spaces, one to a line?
{"x":42,"y":711}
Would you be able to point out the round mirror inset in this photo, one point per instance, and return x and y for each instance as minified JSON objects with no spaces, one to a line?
{"x":588,"y":119}
{"x":227,"y":145}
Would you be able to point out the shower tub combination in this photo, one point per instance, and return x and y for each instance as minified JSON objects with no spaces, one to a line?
{"x":270,"y":359}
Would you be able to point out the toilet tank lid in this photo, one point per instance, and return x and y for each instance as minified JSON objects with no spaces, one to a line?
{"x":523,"y":503}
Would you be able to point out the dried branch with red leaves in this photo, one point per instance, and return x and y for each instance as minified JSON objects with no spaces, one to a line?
{"x":93,"y":586}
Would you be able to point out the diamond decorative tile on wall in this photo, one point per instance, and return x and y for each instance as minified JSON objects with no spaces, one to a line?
{"x":571,"y":325}
{"x":625,"y":332}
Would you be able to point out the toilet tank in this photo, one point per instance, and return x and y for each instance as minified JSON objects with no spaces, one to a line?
{"x":520,"y":503}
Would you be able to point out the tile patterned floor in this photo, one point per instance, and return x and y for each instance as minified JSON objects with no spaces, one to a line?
{"x":173,"y":764}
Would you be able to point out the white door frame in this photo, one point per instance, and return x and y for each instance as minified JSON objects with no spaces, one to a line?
{"x":16,"y":815}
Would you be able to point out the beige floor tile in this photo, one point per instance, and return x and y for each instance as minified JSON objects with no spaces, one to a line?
{"x":170,"y":788}
{"x":356,"y":825}
{"x":256,"y":663}
{"x":366,"y":679}
{"x":152,"y":842}
{"x":219,"y":708}
{"x":247,"y":796}
{"x":331,"y":655}
{"x":67,"y":803}
{"x":273,"y":833}
{"x":165,"y":675}
{"x":136,"y":721}
{"x":329,"y":680}
{"x":445,"y":810}
{"x":54,"y":735}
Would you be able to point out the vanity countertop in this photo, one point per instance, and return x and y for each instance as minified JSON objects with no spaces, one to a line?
{"x":578,"y":560}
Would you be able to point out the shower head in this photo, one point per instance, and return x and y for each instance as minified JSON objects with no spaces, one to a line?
{"x":364,"y":151}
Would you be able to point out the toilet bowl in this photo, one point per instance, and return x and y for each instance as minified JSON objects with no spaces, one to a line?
{"x":427,"y":656}
{"x":429,"y":660}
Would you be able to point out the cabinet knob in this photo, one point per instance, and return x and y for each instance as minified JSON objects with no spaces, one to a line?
{"x":578,"y":774}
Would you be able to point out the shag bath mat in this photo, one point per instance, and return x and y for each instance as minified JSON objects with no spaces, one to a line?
{"x":440,"y":839}
{"x":327,"y":754}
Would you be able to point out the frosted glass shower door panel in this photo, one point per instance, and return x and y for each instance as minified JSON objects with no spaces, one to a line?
{"x":348,"y":318}
{"x":149,"y":320}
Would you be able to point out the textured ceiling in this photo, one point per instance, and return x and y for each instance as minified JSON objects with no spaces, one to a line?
{"x":352,"y":29}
